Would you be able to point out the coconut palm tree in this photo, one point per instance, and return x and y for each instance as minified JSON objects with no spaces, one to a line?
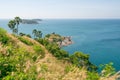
{"x":17,"y":21}
{"x":11,"y":24}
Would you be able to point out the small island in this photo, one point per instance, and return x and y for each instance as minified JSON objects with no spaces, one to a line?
{"x":31,"y":21}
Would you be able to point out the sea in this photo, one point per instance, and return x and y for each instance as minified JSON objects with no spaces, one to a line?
{"x":100,"y":38}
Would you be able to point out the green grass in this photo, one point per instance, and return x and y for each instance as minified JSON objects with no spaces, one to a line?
{"x":3,"y":36}
{"x":27,"y":42}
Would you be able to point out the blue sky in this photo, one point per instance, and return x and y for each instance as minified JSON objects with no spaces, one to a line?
{"x":60,"y":8}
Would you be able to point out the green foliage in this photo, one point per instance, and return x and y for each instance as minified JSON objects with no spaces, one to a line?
{"x":68,"y":69}
{"x":39,"y":51}
{"x":79,"y":59}
{"x":34,"y":58}
{"x":54,"y":37}
{"x":44,"y":68}
{"x":54,"y":49}
{"x":3,"y":36}
{"x":28,"y":35}
{"x":42,"y":41}
{"x":42,"y":78}
{"x":6,"y":66}
{"x":48,"y":35}
{"x":37,"y":33}
{"x":13,"y":24}
{"x":107,"y":69}
{"x":22,"y":34}
{"x":92,"y":76}
{"x":82,"y":60}
{"x":20,"y":76}
{"x":13,"y":65}
{"x":25,"y":41}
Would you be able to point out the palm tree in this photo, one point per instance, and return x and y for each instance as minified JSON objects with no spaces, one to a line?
{"x":39,"y":34}
{"x":34,"y":32}
{"x":17,"y":20}
{"x":11,"y":24}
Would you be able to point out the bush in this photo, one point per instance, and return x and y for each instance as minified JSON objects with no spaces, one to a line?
{"x":44,"y":68}
{"x":107,"y":69}
{"x":3,"y":36}
{"x":6,"y":66}
{"x":92,"y":76}
{"x":20,"y":76}
{"x":25,"y":41}
{"x":67,"y":69}
{"x":39,"y":50}
{"x":82,"y":60}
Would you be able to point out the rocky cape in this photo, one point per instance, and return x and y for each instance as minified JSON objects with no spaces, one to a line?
{"x":60,"y":40}
{"x":65,"y":42}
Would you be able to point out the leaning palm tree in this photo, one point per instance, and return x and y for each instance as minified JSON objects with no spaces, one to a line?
{"x":11,"y":24}
{"x":17,"y":20}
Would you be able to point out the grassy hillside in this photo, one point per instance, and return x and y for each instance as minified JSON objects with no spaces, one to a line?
{"x":23,"y":58}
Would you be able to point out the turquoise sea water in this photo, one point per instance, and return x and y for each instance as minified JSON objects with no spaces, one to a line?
{"x":98,"y":37}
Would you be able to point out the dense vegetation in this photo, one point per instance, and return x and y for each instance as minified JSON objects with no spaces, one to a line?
{"x":22,"y":58}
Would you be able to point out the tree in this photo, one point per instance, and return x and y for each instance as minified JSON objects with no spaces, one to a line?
{"x":17,"y":21}
{"x":107,"y":69}
{"x":11,"y":25}
{"x":21,"y":34}
{"x":37,"y":34}
{"x":34,"y":32}
{"x":82,"y":60}
{"x":14,"y":23}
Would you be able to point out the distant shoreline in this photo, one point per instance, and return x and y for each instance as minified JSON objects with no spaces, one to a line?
{"x":31,"y":21}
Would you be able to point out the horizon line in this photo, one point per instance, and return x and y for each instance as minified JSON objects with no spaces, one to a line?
{"x":63,"y":18}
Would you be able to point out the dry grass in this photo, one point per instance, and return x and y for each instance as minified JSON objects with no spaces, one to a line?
{"x":20,"y":44}
{"x":49,"y":67}
{"x":113,"y":77}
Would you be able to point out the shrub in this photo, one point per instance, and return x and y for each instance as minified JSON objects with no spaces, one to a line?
{"x":25,"y":41}
{"x":39,"y":50}
{"x":44,"y":68}
{"x":3,"y":37}
{"x":92,"y":76}
{"x":82,"y":60}
{"x":107,"y":69}
{"x":67,"y":69}
{"x":6,"y":66}
{"x":20,"y":76}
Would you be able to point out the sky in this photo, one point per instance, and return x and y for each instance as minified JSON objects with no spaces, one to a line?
{"x":60,"y":9}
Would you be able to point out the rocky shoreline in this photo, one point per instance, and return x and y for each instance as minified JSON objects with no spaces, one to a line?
{"x":65,"y":42}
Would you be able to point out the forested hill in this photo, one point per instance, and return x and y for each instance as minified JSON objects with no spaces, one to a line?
{"x":24,"y":58}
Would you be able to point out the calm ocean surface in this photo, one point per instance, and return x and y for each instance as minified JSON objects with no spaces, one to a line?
{"x":98,"y":37}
